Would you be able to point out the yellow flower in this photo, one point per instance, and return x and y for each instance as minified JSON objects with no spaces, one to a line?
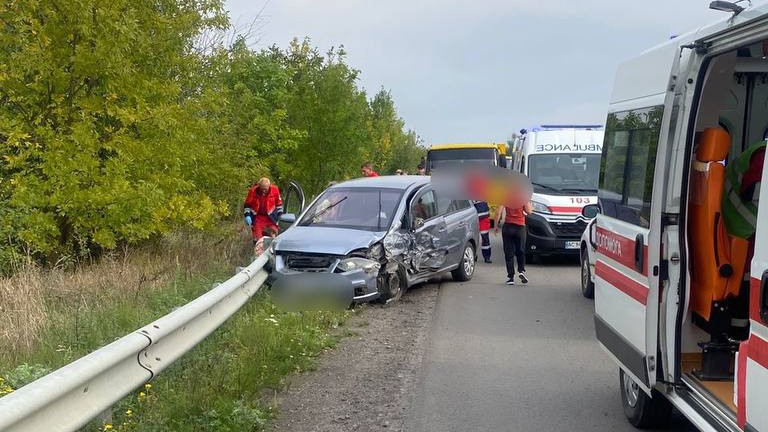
{"x":147,"y":386}
{"x":107,"y":427}
{"x":129,"y":413}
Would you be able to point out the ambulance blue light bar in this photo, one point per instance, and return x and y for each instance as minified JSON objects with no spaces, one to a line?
{"x":571,"y":126}
{"x":558,"y":127}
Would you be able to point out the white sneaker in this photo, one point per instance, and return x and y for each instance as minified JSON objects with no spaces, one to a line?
{"x":523,"y":279}
{"x":510,"y":281}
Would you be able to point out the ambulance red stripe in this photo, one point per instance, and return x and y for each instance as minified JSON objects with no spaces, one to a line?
{"x":556,"y":209}
{"x":756,"y":349}
{"x":627,"y":285}
{"x":619,"y":248}
{"x":754,"y":299}
{"x":741,"y":386}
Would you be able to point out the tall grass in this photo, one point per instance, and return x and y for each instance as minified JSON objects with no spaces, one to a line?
{"x":52,"y":317}
{"x":55,"y":315}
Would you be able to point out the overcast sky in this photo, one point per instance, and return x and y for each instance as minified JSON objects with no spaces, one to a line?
{"x":480,"y":70}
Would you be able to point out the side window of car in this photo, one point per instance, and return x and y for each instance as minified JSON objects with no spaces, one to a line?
{"x":629,"y":158}
{"x":446,"y":206}
{"x":424,"y":206}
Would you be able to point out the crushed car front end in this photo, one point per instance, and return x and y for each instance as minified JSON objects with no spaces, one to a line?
{"x":358,"y":268}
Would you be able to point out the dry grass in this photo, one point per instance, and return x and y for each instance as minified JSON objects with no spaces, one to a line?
{"x":30,"y":299}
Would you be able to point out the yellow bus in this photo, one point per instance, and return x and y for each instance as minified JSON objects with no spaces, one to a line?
{"x":443,"y":154}
{"x":495,"y":154}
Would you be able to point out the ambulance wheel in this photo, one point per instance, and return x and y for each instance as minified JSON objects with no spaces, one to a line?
{"x":641,"y":410}
{"x":587,"y":286}
{"x":467,"y":265}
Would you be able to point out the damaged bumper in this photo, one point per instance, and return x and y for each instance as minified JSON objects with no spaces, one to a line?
{"x":359,"y":283}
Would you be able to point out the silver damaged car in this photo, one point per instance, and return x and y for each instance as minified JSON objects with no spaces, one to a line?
{"x":382,"y":235}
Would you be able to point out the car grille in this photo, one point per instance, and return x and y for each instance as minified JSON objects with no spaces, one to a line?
{"x":569,"y":230}
{"x":308,"y":263}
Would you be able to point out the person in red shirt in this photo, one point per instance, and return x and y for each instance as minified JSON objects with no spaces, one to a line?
{"x":367,"y":169}
{"x":513,"y":238}
{"x":262,"y":208}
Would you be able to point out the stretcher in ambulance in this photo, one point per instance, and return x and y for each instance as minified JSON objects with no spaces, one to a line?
{"x":681,"y":299}
{"x":562,"y":163}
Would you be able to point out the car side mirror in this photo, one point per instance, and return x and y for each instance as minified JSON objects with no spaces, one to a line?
{"x":288,"y":218}
{"x":590,"y":211}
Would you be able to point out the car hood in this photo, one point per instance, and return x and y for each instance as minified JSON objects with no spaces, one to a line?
{"x":331,"y":241}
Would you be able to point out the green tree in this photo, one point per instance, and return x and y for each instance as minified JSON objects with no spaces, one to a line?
{"x":98,"y":121}
{"x":326,"y":103}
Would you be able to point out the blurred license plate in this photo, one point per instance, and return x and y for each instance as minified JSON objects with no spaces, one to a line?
{"x":572,"y":244}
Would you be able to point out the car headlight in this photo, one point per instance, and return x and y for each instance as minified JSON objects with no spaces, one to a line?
{"x":376,"y":252}
{"x":540,"y":208}
{"x":350,"y":264}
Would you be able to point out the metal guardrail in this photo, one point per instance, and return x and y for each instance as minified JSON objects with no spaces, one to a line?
{"x":70,"y":397}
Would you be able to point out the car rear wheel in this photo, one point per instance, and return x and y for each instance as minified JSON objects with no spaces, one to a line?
{"x":587,"y":286}
{"x":467,"y":265}
{"x":641,"y":410}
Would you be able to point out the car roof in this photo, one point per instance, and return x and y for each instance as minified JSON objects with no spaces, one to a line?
{"x":393,"y":182}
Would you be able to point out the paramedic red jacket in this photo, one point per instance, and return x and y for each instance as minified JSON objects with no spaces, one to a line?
{"x":260,"y":205}
{"x":484,"y":215}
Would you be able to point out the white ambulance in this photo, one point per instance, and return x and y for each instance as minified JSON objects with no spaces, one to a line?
{"x":563,"y":163}
{"x":681,"y":303}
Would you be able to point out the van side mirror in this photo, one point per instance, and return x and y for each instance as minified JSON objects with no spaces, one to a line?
{"x":590,"y":211}
{"x":288,"y":218}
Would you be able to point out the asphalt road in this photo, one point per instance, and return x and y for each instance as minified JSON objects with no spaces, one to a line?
{"x":517,"y":358}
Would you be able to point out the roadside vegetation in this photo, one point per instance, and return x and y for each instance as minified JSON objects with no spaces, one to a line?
{"x":129,"y":133}
{"x":223,"y":384}
{"x":124,"y":121}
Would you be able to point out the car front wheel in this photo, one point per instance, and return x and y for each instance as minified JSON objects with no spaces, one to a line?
{"x":467,"y":265}
{"x":391,"y":288}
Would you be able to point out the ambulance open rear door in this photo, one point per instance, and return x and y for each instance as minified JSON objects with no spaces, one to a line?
{"x":628,"y":229}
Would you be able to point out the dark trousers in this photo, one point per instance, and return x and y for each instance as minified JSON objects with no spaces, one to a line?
{"x":513,"y":237}
{"x":485,"y":240}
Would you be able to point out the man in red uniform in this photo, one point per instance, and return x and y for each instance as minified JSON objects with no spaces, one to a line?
{"x":368,"y":171}
{"x":262,"y":208}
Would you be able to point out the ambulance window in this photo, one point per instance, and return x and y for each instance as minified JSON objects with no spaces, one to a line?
{"x":612,"y":167}
{"x":629,"y":158}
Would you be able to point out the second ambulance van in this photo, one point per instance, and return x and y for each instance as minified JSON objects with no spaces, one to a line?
{"x":681,"y":273}
{"x":562,"y":162}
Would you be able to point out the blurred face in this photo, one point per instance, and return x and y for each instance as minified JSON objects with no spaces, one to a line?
{"x":264,"y":186}
{"x":422,"y":171}
{"x":366,"y":171}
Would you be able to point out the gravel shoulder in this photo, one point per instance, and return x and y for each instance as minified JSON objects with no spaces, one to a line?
{"x":366,"y":383}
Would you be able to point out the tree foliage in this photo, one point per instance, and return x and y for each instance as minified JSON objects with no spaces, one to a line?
{"x":114,"y":128}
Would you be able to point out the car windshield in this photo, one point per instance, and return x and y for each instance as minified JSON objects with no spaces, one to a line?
{"x":565,"y":172}
{"x":369,"y":209}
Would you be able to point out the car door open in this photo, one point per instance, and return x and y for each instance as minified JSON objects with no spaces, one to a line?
{"x":626,"y":234}
{"x":293,"y":205}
